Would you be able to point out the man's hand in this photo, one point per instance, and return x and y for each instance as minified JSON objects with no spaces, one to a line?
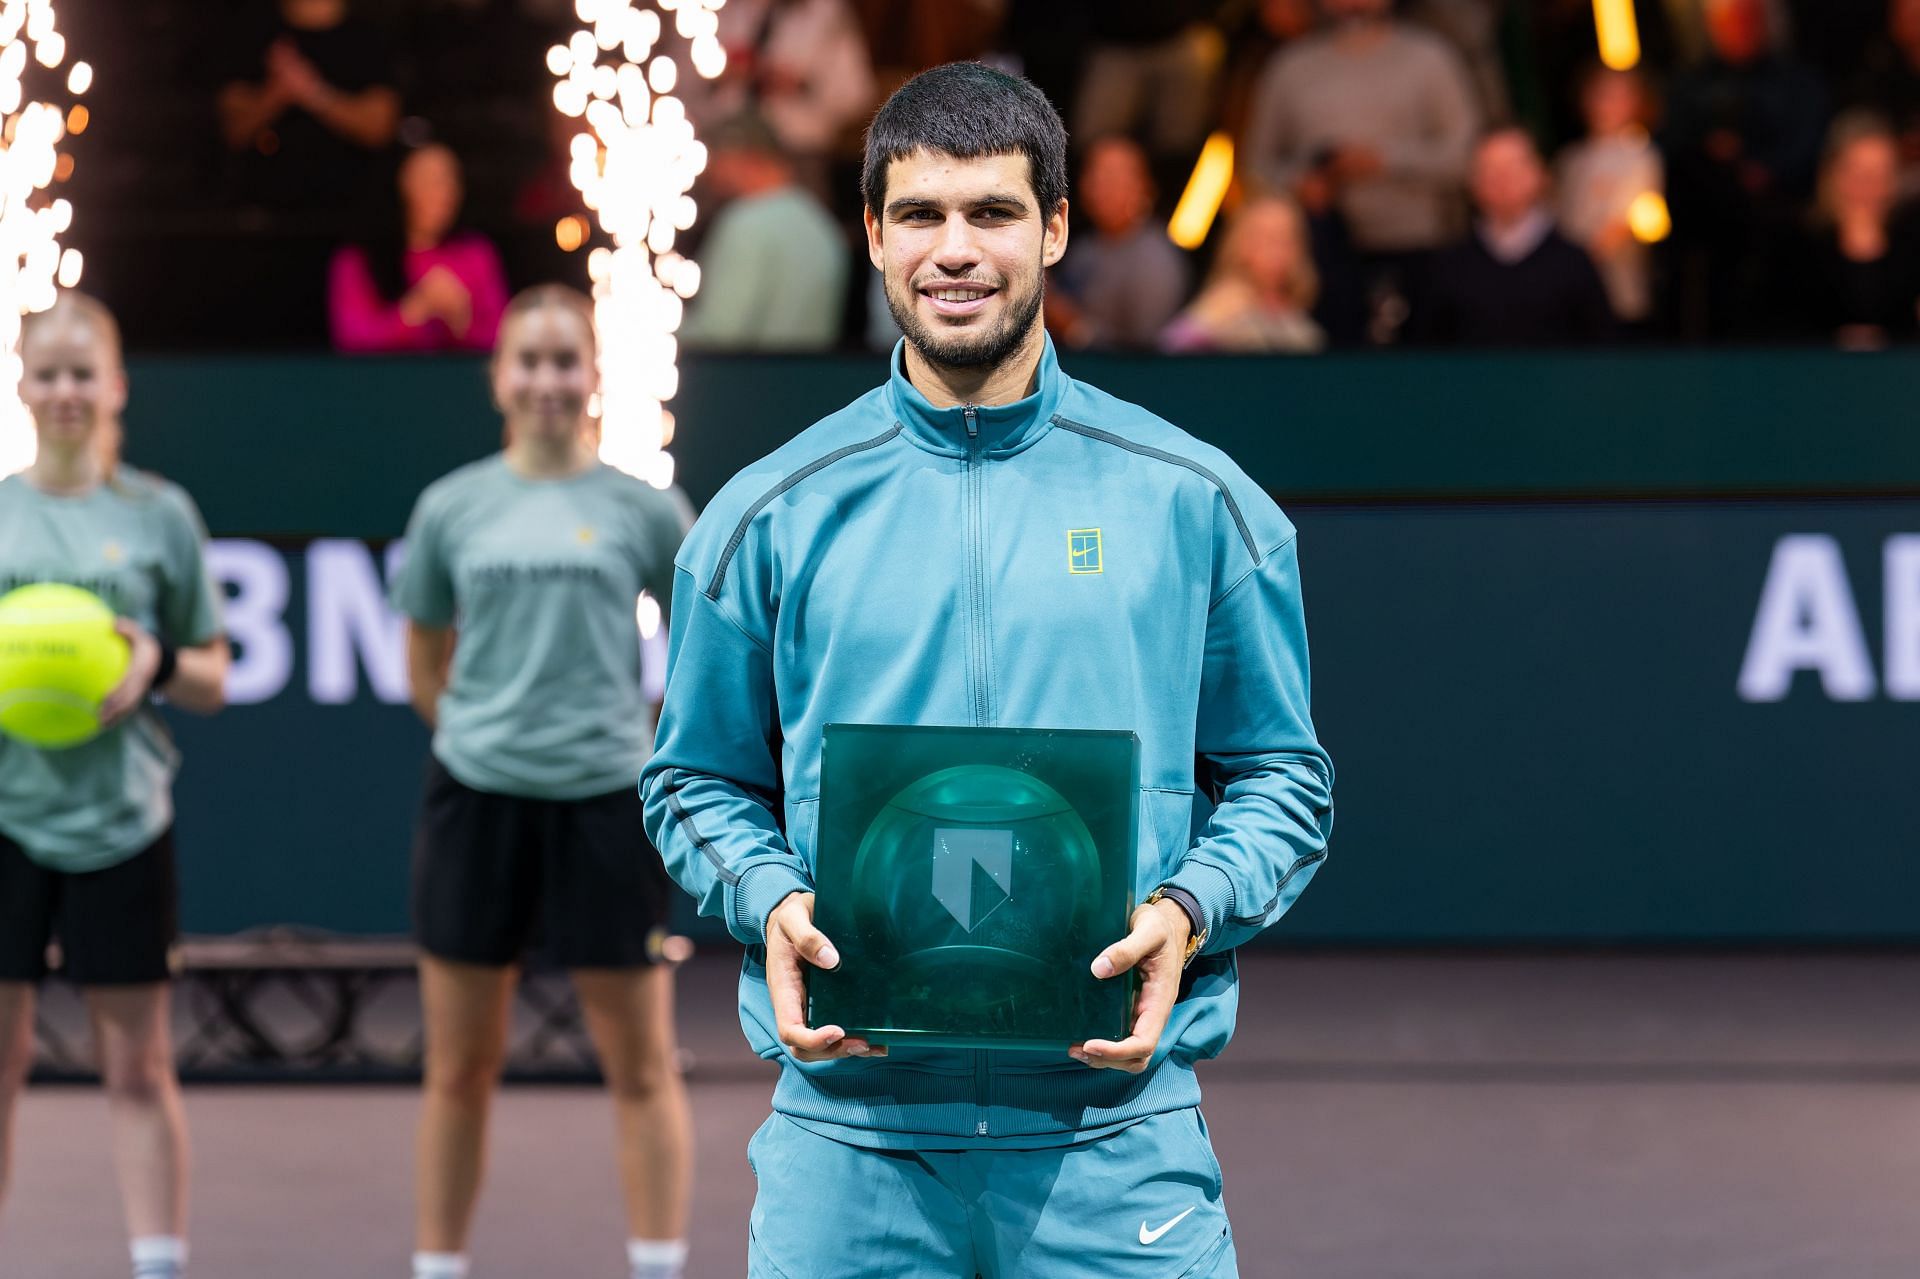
{"x":294,"y":75}
{"x":1356,"y":163}
{"x":1157,"y":946}
{"x":143,"y":659}
{"x":791,"y":940}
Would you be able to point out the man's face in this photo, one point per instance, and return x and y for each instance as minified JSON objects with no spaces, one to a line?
{"x":1737,"y":29}
{"x":1508,"y":179}
{"x":963,"y":248}
{"x":1116,"y":191}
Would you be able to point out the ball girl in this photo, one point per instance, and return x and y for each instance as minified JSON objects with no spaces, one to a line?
{"x":521,"y":580}
{"x":86,"y":844}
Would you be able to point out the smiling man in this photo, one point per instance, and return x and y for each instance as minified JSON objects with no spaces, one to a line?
{"x":984,"y":541}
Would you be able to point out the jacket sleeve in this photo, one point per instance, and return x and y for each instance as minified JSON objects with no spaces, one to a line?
{"x":712,"y":788}
{"x":1271,"y":783}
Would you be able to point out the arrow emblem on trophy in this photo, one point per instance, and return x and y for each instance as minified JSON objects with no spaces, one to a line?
{"x":972,"y":872}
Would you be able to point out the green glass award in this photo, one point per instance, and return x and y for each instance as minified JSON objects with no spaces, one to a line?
{"x":968,"y":877}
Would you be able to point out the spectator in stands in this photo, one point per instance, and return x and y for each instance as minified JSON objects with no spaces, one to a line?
{"x":1859,"y":277}
{"x":1373,"y":117}
{"x":1515,"y":281}
{"x":803,"y":65}
{"x":1119,"y":286}
{"x":431,"y":287}
{"x":1601,"y":176}
{"x":310,"y":108}
{"x":1742,"y":139}
{"x":1151,"y":73}
{"x":775,"y":266}
{"x":1890,"y":85}
{"x":1264,"y":28}
{"x":1260,"y":293}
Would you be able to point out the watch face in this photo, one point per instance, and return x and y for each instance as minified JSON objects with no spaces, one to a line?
{"x":968,"y":877}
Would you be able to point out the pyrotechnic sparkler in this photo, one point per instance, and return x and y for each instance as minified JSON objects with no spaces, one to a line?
{"x":32,"y":263}
{"x":634,"y":162}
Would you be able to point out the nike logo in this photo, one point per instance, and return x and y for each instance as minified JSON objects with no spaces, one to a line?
{"x":1153,"y":1236}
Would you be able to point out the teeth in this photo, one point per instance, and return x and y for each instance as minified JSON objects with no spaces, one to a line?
{"x":958,"y":295}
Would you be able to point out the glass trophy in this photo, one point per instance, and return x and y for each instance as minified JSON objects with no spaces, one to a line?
{"x":968,"y":877}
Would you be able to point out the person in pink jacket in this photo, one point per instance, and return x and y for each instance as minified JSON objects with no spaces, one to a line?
{"x":437,"y":289}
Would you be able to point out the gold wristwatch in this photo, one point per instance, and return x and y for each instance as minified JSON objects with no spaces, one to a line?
{"x":1195,"y":940}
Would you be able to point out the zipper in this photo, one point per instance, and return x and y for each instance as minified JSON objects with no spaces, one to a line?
{"x":973,"y":487}
{"x":974,"y":483}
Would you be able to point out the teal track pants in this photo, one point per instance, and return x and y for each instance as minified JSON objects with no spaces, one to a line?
{"x":1142,"y":1203}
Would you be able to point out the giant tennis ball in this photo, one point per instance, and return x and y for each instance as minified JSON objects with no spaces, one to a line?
{"x":59,"y":655}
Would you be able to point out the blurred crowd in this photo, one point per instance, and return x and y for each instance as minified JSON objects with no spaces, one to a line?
{"x":1430,"y":172}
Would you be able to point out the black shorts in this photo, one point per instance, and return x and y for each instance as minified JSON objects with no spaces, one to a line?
{"x":494,"y":874}
{"x":116,"y":927}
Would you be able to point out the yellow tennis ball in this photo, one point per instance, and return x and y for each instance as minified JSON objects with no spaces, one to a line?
{"x":59,"y":655}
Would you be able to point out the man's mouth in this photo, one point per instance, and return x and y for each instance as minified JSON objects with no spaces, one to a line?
{"x":957,"y":299}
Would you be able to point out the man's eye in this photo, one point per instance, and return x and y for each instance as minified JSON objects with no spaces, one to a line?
{"x":996,"y":214}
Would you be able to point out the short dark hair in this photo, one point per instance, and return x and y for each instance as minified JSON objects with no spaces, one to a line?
{"x":968,"y":110}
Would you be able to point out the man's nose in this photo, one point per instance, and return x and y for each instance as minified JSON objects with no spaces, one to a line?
{"x":957,"y":249}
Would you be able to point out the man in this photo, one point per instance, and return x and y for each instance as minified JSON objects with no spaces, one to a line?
{"x":906,"y":561}
{"x":776,"y":266}
{"x":310,"y":107}
{"x":1515,"y":281}
{"x":1371,"y":117}
{"x":1120,"y":290}
{"x":1742,"y":141}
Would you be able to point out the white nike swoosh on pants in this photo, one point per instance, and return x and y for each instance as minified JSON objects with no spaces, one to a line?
{"x":1152,"y":1236}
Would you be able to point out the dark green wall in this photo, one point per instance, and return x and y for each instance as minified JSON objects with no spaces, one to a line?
{"x":320,"y":445}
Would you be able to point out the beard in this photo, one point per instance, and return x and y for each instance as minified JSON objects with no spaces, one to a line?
{"x":970,"y":348}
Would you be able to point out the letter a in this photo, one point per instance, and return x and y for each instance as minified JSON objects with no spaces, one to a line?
{"x":1806,"y":622}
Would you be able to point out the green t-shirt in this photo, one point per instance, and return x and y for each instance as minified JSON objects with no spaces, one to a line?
{"x":541,"y":577}
{"x":137,"y":542}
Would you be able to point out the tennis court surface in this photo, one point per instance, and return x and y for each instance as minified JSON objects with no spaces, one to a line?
{"x":1433,"y":1116}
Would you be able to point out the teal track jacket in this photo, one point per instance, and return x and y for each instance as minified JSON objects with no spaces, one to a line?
{"x":1066,"y":561}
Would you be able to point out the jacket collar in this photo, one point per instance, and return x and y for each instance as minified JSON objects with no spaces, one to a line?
{"x":999,"y":430}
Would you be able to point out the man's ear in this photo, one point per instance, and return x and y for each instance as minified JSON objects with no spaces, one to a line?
{"x":874,"y":255}
{"x":1054,"y":244}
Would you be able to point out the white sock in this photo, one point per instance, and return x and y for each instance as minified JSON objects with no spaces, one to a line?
{"x":657,"y":1258}
{"x":159,"y":1257}
{"x":439,"y":1265}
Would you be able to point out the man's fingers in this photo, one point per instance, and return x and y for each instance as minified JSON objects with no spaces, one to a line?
{"x":1130,"y":1054}
{"x":1157,"y":993}
{"x":824,"y":1043}
{"x":812,"y":1044}
{"x":786,"y":987}
{"x":1148,"y":935}
{"x":816,"y":949}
